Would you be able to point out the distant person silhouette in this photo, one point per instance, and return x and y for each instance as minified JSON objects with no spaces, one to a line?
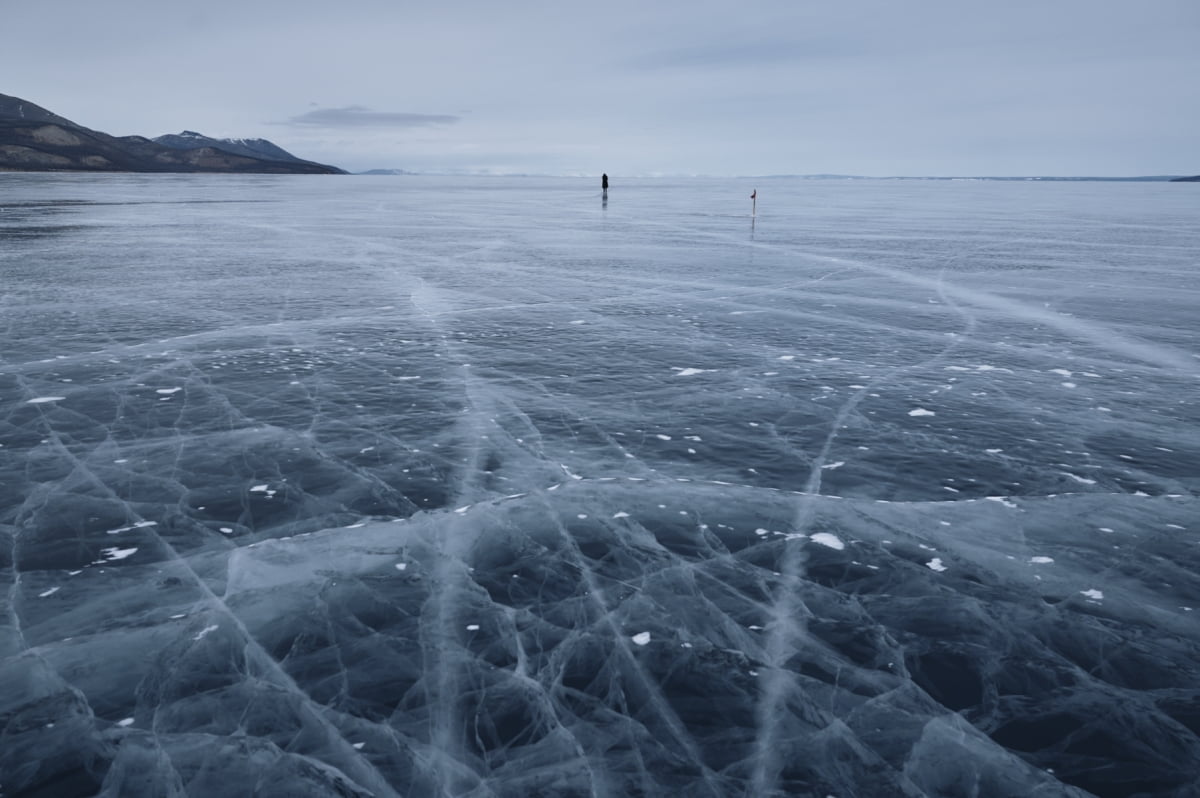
{"x":604,"y":183}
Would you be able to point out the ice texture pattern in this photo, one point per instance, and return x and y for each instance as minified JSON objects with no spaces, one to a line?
{"x":488,"y":487}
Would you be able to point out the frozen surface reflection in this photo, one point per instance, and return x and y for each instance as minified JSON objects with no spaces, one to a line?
{"x":440,"y":487}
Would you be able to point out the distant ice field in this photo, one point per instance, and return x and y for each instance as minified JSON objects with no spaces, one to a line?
{"x":415,"y":486}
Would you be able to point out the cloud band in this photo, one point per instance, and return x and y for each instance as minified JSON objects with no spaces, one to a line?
{"x":359,"y":116}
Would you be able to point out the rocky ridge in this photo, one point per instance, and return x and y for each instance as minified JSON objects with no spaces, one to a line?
{"x":33,"y":139}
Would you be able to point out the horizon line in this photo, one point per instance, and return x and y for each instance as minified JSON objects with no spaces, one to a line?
{"x":385,"y":172}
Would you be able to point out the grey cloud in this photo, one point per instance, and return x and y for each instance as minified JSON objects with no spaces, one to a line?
{"x":749,"y":54}
{"x":359,"y":116}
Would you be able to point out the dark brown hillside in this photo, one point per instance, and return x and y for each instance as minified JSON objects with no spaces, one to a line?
{"x":33,"y":139}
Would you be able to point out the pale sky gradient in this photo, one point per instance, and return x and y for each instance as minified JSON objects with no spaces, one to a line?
{"x":714,"y":87}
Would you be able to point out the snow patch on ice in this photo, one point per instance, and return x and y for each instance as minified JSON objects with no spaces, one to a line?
{"x":138,"y":525}
{"x":205,"y":631}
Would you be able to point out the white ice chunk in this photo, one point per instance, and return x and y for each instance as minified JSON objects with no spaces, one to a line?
{"x":826,"y":539}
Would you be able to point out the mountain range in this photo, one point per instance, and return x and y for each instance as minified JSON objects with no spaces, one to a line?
{"x":33,"y":139}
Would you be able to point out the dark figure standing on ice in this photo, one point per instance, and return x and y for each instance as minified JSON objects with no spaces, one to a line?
{"x":604,"y":183}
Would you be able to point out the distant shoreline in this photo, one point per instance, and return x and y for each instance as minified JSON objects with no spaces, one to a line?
{"x":1031,"y":179}
{"x":846,"y":178}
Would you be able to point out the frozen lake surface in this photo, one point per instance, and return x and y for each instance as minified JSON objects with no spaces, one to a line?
{"x":480,"y":487}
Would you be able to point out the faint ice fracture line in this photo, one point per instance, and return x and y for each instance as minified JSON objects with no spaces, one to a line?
{"x":788,"y":627}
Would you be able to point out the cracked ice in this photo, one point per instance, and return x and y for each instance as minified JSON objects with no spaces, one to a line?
{"x":798,"y":508}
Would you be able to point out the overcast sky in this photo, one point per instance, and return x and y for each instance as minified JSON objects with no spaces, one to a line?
{"x":715,"y":87}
